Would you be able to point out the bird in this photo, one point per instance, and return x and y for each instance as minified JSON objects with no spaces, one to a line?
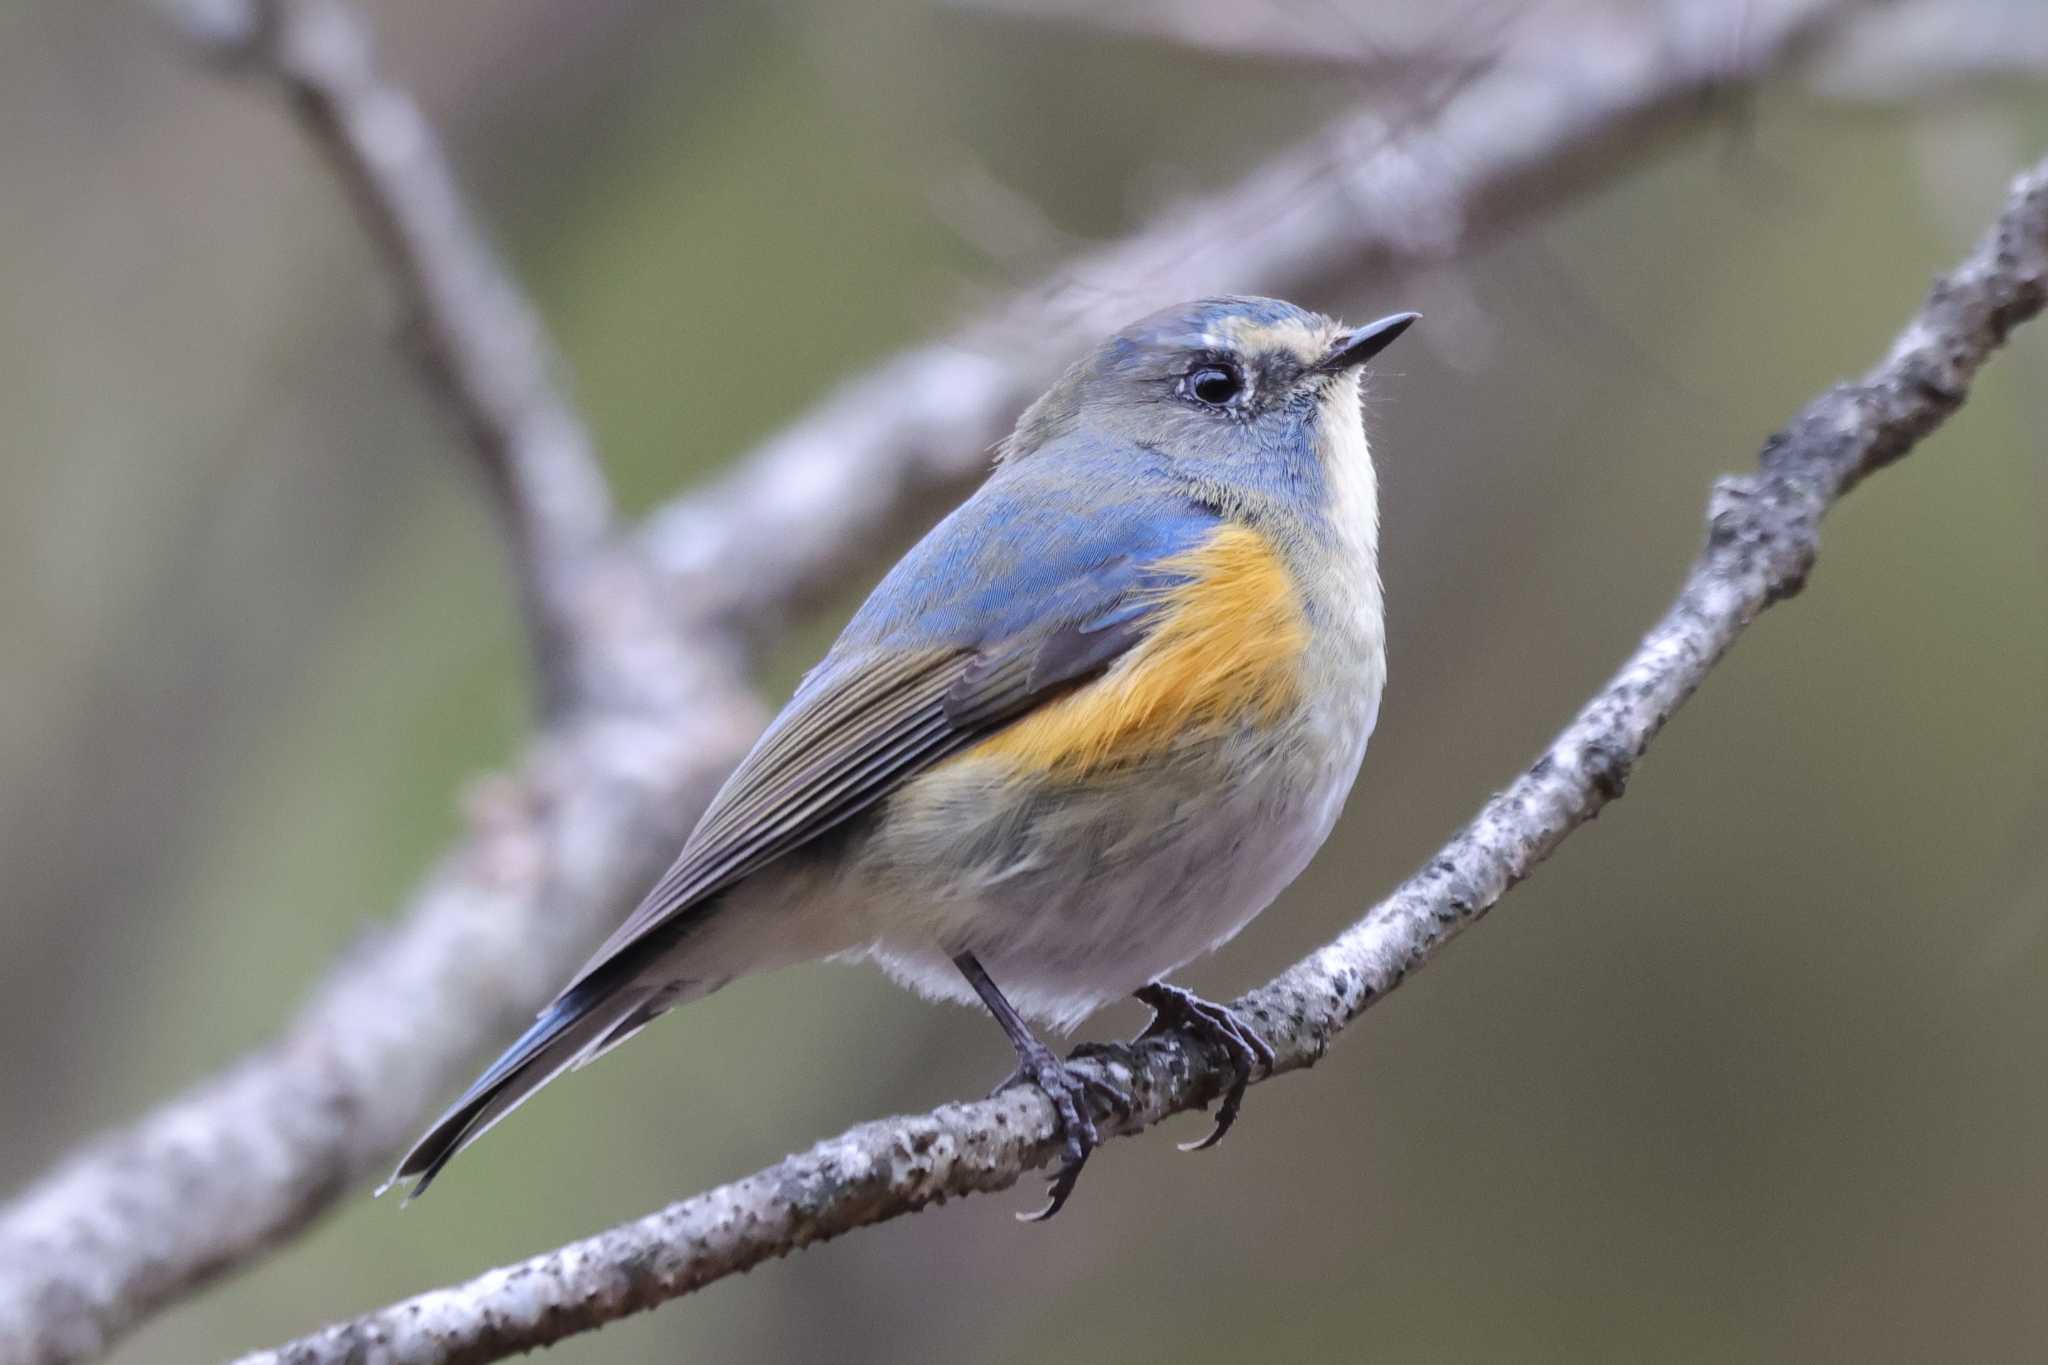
{"x":1084,"y":731}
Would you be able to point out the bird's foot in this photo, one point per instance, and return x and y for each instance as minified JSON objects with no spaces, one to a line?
{"x":1071,"y":1092}
{"x":1175,"y":1009}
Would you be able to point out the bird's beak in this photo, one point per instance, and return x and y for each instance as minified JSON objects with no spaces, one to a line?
{"x":1355,"y":348}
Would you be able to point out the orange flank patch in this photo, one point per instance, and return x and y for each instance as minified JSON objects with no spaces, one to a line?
{"x":1226,"y":646}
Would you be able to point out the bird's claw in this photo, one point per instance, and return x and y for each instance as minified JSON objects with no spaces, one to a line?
{"x":1174,"y":1009}
{"x":1070,"y":1091}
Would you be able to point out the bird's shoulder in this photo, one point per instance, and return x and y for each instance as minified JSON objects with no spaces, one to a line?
{"x":1196,"y":616}
{"x":1044,"y":539}
{"x":1226,"y":634}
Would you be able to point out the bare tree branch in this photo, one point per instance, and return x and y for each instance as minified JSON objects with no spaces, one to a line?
{"x":1921,"y":47}
{"x":1763,"y":536}
{"x":476,"y":332}
{"x":142,"y":1216}
{"x":1907,"y":47}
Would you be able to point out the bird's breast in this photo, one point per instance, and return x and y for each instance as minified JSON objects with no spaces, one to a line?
{"x":1226,"y":652}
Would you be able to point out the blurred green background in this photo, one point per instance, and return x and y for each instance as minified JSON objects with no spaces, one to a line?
{"x":1753,"y":1070}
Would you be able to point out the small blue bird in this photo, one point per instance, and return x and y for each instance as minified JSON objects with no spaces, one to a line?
{"x":1090,"y":726}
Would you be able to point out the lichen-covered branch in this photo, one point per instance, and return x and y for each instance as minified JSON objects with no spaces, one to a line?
{"x":1762,"y":536}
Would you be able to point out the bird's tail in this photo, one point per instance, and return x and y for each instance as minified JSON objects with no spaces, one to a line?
{"x":587,"y":1020}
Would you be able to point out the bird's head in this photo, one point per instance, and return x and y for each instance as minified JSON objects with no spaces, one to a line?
{"x":1230,"y":390}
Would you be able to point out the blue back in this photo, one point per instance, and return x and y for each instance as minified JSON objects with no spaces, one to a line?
{"x":1047,"y":539}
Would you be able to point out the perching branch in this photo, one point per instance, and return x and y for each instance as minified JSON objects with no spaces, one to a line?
{"x":1762,"y":538}
{"x":557,"y":852}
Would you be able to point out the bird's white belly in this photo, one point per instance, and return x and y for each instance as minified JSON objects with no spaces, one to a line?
{"x":1071,"y":899}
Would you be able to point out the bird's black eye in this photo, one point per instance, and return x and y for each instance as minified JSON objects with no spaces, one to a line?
{"x":1215,"y":385}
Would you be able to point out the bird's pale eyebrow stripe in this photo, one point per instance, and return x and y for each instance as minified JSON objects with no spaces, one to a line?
{"x":1250,"y":337}
{"x":1228,"y":643}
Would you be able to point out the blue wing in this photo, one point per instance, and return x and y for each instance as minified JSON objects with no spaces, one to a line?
{"x":1029,"y":588}
{"x":1025,"y":590}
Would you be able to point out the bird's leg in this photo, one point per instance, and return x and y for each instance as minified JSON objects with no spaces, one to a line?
{"x":1173,"y":1008}
{"x":1065,"y":1087}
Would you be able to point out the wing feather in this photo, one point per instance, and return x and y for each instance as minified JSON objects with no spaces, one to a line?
{"x":860,"y":727}
{"x":1029,"y":588}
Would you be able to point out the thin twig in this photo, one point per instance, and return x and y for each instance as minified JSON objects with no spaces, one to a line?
{"x":476,"y":332}
{"x":1763,"y":535}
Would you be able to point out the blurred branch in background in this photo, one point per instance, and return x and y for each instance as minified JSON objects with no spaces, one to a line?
{"x":1322,"y":35}
{"x":477,"y":334}
{"x":557,"y":852}
{"x":1903,"y":47}
{"x":1923,"y":46}
{"x":1763,"y":536}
